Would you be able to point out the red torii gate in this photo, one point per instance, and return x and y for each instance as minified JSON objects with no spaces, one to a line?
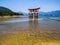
{"x":35,"y":11}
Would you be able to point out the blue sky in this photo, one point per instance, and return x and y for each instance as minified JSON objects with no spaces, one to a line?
{"x":24,"y":5}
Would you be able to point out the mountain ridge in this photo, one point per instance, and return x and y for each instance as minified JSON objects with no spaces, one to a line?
{"x":52,"y":13}
{"x":5,"y":11}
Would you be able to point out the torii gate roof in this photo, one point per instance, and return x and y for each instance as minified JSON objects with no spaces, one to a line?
{"x":34,"y":8}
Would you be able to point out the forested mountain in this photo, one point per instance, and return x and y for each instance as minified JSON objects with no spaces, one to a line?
{"x":5,"y":11}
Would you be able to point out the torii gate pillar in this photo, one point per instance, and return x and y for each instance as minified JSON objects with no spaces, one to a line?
{"x":35,"y":11}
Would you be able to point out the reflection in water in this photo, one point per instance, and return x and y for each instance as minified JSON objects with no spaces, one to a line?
{"x":33,"y":23}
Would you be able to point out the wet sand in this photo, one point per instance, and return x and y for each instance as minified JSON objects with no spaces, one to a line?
{"x":32,"y":32}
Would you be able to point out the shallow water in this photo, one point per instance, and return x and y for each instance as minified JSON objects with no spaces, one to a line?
{"x":27,"y":31}
{"x":28,"y":23}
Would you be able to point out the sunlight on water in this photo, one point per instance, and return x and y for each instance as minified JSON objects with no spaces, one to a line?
{"x":16,"y":21}
{"x":12,"y":21}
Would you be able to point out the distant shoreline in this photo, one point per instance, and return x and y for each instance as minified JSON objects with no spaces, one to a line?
{"x":54,"y":19}
{"x":7,"y":17}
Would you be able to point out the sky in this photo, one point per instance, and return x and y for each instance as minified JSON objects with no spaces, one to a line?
{"x":24,"y":5}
